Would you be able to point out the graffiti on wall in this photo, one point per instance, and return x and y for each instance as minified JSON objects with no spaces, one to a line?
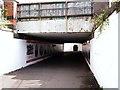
{"x":36,"y":50}
{"x":29,"y":49}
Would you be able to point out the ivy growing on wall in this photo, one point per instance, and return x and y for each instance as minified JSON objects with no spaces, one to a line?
{"x":101,"y":88}
{"x":101,"y":20}
{"x":117,"y":4}
{"x":3,"y":18}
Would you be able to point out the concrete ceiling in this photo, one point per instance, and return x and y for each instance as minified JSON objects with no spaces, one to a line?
{"x":76,"y":37}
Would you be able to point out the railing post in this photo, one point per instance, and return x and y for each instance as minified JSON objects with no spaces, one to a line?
{"x":66,"y":12}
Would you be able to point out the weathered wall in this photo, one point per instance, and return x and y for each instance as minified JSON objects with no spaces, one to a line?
{"x":76,"y":24}
{"x":104,"y":54}
{"x":16,"y":53}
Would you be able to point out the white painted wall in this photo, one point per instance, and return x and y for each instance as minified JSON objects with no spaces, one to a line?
{"x":104,"y":54}
{"x":10,"y":56}
{"x":69,"y":47}
{"x":13,"y":52}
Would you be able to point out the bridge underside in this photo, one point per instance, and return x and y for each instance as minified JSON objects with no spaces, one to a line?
{"x":71,"y":37}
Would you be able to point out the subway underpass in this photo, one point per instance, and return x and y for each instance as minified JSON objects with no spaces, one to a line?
{"x":67,"y":70}
{"x":36,"y":38}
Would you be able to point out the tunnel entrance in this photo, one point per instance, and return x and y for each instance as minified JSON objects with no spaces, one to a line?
{"x":70,"y":47}
{"x":75,"y":48}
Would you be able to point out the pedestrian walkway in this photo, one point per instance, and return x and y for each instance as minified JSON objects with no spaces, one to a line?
{"x":68,"y":70}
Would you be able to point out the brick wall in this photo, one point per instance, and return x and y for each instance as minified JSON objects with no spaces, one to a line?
{"x":11,"y":11}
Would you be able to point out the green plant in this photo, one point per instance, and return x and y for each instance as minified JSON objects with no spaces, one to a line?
{"x":101,"y":88}
{"x":101,"y":20}
{"x":3,"y":19}
{"x":117,"y":4}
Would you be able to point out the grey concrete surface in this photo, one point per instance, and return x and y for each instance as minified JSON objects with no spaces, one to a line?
{"x":68,"y":70}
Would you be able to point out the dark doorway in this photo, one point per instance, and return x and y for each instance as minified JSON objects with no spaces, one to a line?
{"x":75,"y":48}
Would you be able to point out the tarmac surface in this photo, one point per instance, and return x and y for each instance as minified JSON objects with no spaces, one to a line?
{"x":68,"y":70}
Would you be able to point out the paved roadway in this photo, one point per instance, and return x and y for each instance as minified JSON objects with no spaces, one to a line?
{"x":68,"y":70}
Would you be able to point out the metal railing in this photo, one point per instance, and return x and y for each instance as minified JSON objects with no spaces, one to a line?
{"x":55,"y":9}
